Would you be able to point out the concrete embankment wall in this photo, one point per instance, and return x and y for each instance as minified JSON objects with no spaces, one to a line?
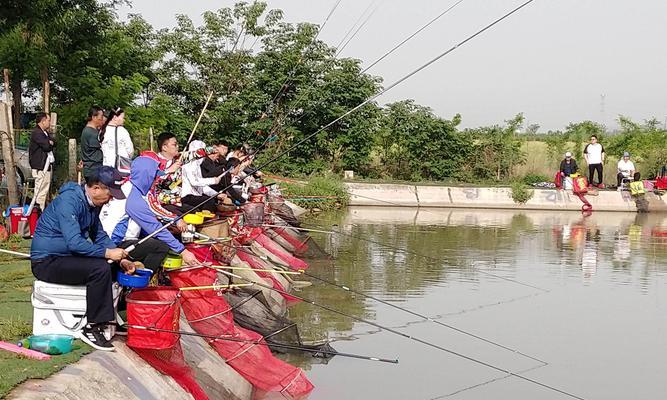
{"x":369,"y":194}
{"x":123,"y":375}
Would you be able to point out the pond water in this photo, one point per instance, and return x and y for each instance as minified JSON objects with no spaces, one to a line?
{"x":585,"y":294}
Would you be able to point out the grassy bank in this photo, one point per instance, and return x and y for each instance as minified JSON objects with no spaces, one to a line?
{"x":321,"y":192}
{"x":16,"y":323}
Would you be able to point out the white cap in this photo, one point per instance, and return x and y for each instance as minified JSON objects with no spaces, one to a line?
{"x":568,"y":154}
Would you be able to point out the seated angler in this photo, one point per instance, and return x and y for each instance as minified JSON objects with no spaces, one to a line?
{"x":142,"y":218}
{"x":568,"y":167}
{"x":626,"y":170}
{"x":215,"y":165}
{"x":196,"y":188}
{"x":70,"y":247}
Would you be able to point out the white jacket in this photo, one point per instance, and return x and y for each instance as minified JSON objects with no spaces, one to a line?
{"x":125,"y":146}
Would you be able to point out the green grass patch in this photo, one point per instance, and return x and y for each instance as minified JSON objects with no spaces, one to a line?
{"x":16,"y":323}
{"x":321,"y":192}
{"x":521,"y":193}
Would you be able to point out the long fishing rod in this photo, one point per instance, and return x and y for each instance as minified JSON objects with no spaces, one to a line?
{"x":418,"y":31}
{"x":350,"y":111}
{"x":406,"y":251}
{"x":424,"y":317}
{"x":271,"y":344}
{"x":341,"y":48}
{"x":405,"y":335}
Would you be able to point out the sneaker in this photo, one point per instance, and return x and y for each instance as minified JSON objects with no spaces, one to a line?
{"x":94,"y":336}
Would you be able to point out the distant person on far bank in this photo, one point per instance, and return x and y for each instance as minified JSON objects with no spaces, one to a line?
{"x":91,"y":148}
{"x":594,"y":155}
{"x":40,"y":157}
{"x":626,"y":170}
{"x":117,"y":147}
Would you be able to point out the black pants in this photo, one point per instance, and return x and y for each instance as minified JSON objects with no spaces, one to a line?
{"x":93,"y":272}
{"x":151,"y":252}
{"x":191,"y":200}
{"x":591,"y":171}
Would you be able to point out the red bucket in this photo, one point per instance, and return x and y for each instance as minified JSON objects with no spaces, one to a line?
{"x":153,"y":307}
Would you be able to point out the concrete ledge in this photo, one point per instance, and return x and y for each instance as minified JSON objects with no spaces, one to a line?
{"x":123,"y":375}
{"x":365,"y":194}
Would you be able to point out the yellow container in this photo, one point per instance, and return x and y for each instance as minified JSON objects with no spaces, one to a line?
{"x":193,"y":219}
{"x":172,"y":262}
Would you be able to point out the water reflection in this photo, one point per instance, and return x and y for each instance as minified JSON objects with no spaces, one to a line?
{"x":463,"y":264}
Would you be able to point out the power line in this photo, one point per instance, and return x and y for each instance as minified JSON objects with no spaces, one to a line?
{"x":340,"y":49}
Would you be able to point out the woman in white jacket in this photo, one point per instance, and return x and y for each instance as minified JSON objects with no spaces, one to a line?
{"x":115,"y":138}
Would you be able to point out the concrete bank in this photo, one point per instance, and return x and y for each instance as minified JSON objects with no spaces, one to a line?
{"x":123,"y":375}
{"x":374,"y":194}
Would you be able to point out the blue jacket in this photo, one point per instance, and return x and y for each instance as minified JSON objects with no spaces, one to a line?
{"x":70,"y":227}
{"x":142,"y":175}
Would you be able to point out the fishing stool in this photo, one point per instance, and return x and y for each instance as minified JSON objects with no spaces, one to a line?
{"x":61,"y":309}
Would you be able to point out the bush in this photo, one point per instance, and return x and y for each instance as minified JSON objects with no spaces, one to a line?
{"x":535,"y":178}
{"x":322,"y":192}
{"x":521,"y":193}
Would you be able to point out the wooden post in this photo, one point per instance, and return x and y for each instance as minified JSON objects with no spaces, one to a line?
{"x":8,"y":99}
{"x":150,"y":136}
{"x":46,"y":89}
{"x":8,"y":152}
{"x":53,"y":128}
{"x":72,"y":159}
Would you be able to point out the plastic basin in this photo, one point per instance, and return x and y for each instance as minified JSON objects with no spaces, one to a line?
{"x":140,"y":278}
{"x":51,"y":344}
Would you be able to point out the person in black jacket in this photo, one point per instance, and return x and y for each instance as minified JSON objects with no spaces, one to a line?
{"x":40,"y":157}
{"x":568,"y":166}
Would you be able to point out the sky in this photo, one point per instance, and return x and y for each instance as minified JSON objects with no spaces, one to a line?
{"x":557,"y":61}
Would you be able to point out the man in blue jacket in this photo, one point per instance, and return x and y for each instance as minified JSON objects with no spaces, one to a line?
{"x":70,"y":247}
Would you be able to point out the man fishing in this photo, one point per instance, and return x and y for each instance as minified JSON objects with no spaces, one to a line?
{"x":71,"y":248}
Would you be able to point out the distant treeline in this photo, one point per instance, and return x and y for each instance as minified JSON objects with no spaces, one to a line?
{"x":269,"y":77}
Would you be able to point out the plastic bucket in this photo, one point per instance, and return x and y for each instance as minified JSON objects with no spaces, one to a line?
{"x":153,"y":307}
{"x":140,"y":278}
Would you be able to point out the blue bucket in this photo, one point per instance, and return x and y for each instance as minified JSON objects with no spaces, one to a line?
{"x":140,"y":278}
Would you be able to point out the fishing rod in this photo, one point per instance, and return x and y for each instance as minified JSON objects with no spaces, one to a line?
{"x":350,"y":111}
{"x":340,"y":49}
{"x":406,"y":251}
{"x":272,"y":344}
{"x":424,"y":317}
{"x":410,"y":337}
{"x":418,"y":31}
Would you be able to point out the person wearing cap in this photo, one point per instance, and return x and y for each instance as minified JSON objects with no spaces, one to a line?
{"x":70,"y":247}
{"x":626,"y":170}
{"x":568,"y":166}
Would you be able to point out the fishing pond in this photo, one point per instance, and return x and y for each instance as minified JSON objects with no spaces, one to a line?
{"x":576,"y":303}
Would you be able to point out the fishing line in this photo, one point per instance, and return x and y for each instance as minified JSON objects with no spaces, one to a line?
{"x":424,"y":317}
{"x":350,"y":111}
{"x":340,"y":49}
{"x":405,"y":335}
{"x":442,"y":14}
{"x":361,"y":16}
{"x":485,"y":383}
{"x":291,"y":72}
{"x":398,"y":249}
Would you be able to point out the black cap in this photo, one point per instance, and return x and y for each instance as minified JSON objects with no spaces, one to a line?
{"x":112,"y":179}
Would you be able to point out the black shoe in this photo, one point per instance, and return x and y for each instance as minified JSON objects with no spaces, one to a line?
{"x":94,"y":336}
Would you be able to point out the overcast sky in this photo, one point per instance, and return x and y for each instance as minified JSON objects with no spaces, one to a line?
{"x":553,"y":60}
